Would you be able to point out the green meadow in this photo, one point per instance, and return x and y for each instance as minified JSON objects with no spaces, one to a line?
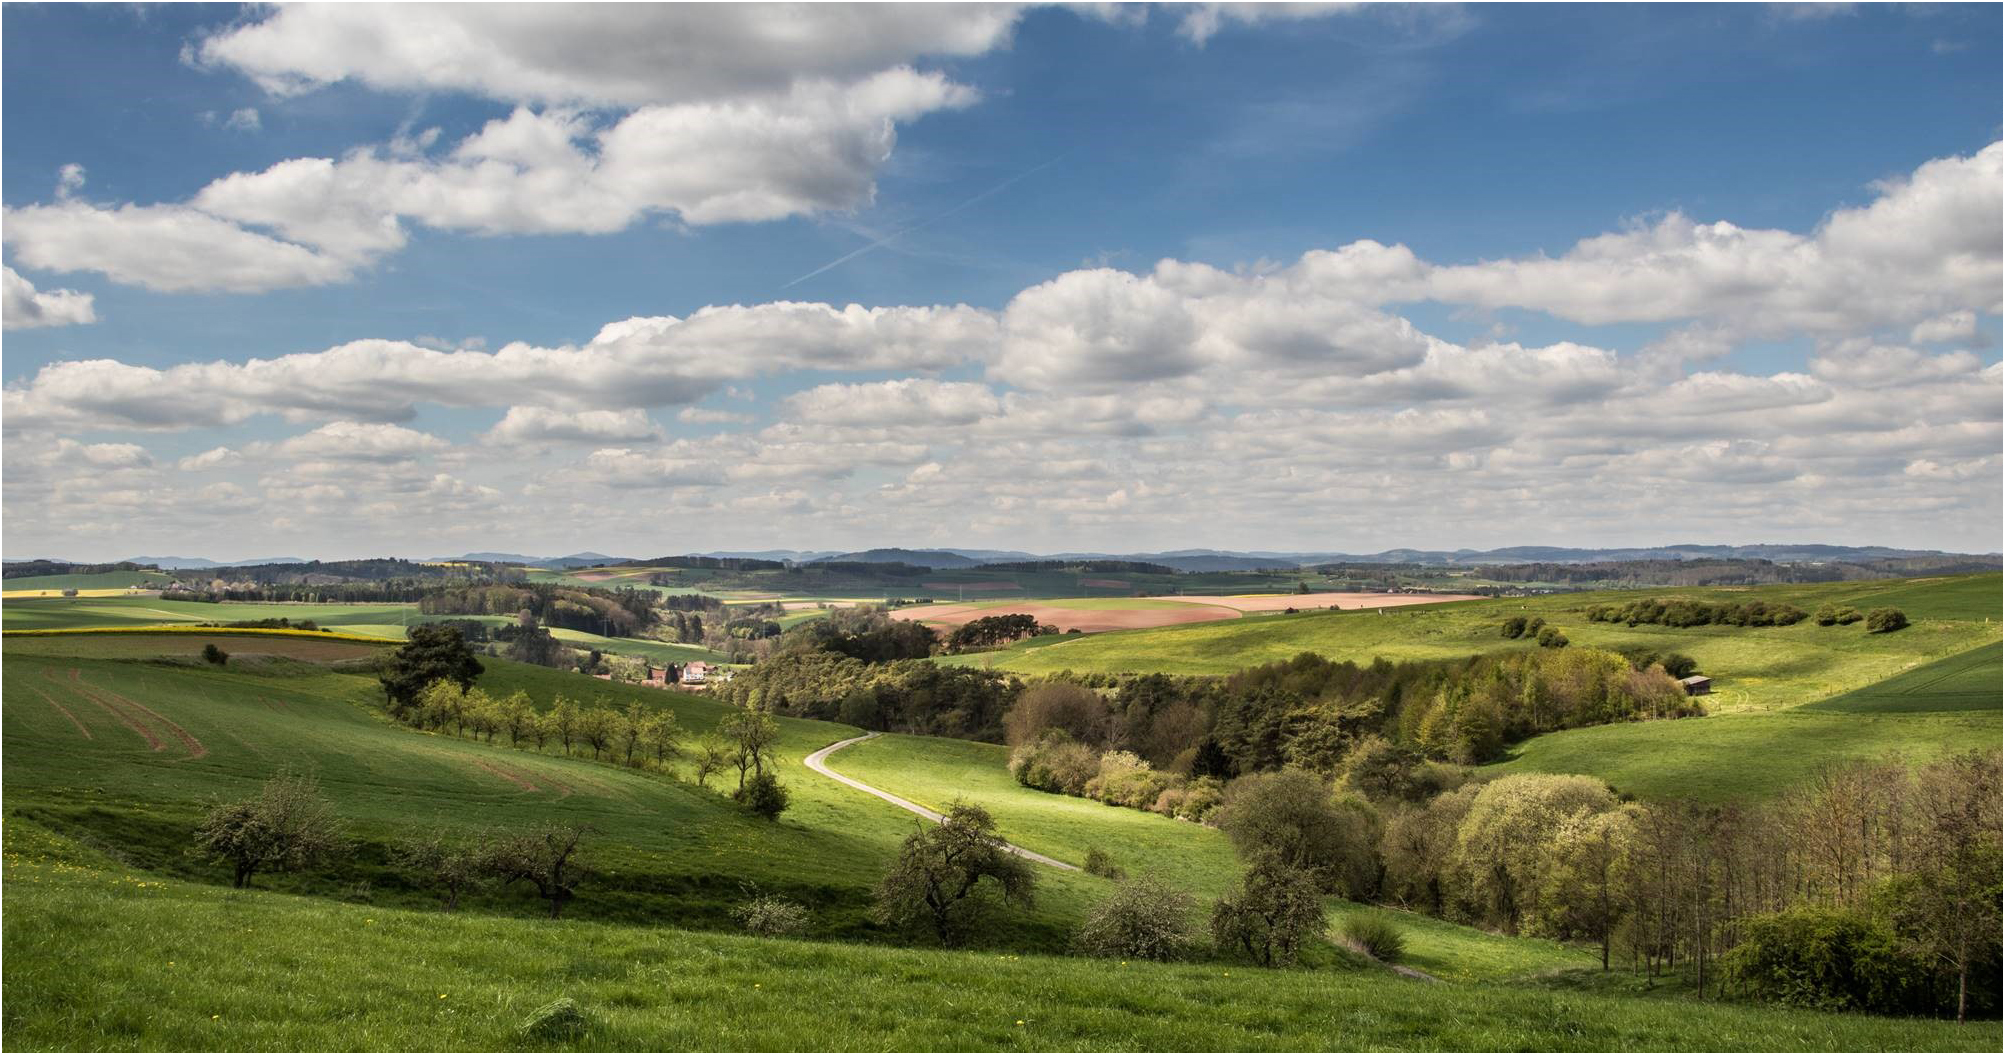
{"x":106,"y":957}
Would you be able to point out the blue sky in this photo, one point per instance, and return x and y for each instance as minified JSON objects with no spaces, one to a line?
{"x":1035,"y":165}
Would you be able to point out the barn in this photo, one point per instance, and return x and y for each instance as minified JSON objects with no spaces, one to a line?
{"x":1697,"y":685}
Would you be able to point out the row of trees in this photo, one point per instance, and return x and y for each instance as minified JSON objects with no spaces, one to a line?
{"x":1682,"y":612}
{"x":625,"y":612}
{"x":429,"y":683}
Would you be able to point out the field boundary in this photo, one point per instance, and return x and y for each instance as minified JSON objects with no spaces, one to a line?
{"x":178,"y":628}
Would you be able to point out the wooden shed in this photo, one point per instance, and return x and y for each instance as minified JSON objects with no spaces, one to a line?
{"x":1697,"y":685}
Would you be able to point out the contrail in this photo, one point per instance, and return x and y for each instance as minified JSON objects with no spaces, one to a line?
{"x":901,"y":232}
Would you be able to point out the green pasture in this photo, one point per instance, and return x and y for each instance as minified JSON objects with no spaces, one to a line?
{"x":100,"y":955}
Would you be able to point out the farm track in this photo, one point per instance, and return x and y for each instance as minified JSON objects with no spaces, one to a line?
{"x":819,"y":763}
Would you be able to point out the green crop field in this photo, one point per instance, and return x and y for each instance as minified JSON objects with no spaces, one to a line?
{"x":108,"y":580}
{"x":1966,"y":682}
{"x":388,"y":621}
{"x":61,"y":613}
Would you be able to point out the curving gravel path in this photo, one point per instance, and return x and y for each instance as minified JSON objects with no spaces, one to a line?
{"x":819,"y":763}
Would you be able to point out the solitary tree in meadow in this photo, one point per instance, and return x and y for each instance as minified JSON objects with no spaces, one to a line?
{"x":947,"y":875}
{"x":548,"y":858}
{"x":287,"y":826}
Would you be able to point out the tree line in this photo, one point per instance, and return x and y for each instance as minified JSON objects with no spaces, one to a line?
{"x":429,"y":683}
{"x":1683,"y":612}
{"x":624,"y":612}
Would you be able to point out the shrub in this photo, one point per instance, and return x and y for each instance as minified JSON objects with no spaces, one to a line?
{"x":1055,"y":762}
{"x":1202,"y":797}
{"x":1885,"y":620}
{"x":1099,"y":864}
{"x":1827,"y":959}
{"x":560,"y":1019}
{"x":1146,"y":919}
{"x":768,"y":916}
{"x":765,"y":796}
{"x":1124,"y":779}
{"x":1080,"y":712}
{"x":212,"y":654}
{"x":1514,"y":627}
{"x":1552,"y":637}
{"x":1375,"y":937}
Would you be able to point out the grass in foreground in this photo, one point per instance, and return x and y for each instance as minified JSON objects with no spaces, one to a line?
{"x":102,"y":958}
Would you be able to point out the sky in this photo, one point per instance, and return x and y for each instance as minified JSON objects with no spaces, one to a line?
{"x":409,"y":280}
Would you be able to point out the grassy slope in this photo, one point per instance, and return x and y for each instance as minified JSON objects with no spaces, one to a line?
{"x":670,"y":852}
{"x":936,"y":772}
{"x":1767,"y":667}
{"x":1738,"y":757}
{"x":101,"y":957}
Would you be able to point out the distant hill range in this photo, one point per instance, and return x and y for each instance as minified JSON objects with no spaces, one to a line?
{"x":1207,"y":560}
{"x":204,"y":563}
{"x":586,"y":559}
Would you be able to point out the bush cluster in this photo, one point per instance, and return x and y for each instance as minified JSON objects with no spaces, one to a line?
{"x":1682,"y":612}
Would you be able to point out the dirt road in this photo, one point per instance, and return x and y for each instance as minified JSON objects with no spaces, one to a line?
{"x":819,"y":763}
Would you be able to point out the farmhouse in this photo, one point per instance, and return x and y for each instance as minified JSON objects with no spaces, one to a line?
{"x":1697,"y":685}
{"x":696,"y":673}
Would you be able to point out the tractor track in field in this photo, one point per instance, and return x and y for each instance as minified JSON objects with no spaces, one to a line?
{"x":81,"y":727}
{"x":512,"y":777}
{"x":153,"y":743}
{"x":117,"y":705}
{"x":819,"y":763}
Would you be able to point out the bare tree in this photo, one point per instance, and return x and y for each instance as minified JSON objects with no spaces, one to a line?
{"x":286,"y":826}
